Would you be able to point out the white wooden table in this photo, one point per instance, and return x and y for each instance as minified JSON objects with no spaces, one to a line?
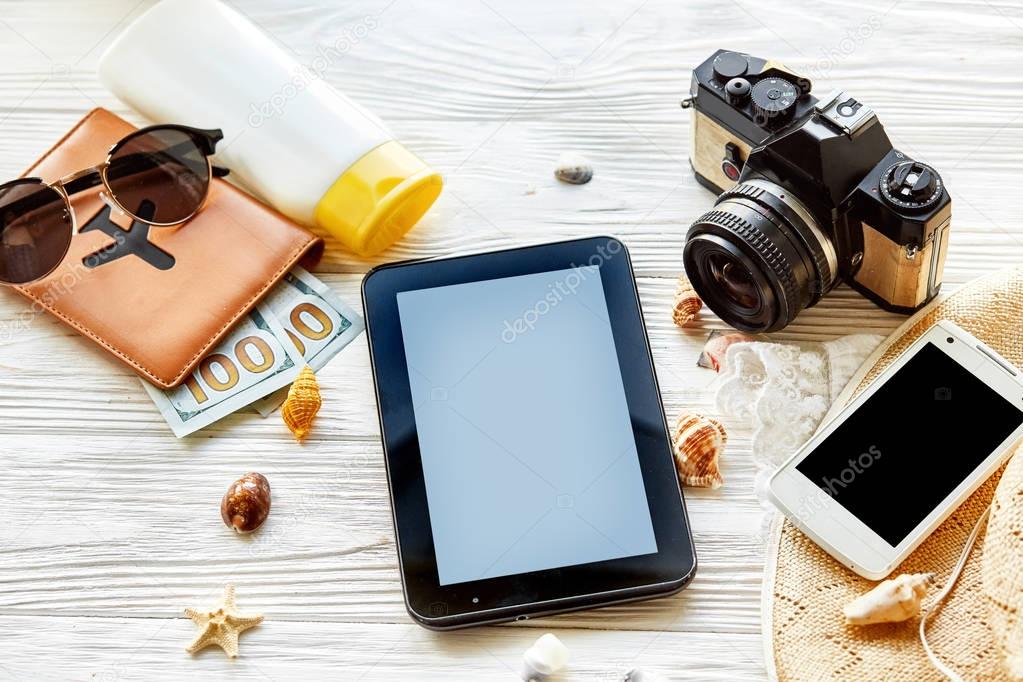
{"x":109,"y":526}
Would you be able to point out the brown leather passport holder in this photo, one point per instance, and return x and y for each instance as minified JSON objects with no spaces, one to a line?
{"x":159,"y":298}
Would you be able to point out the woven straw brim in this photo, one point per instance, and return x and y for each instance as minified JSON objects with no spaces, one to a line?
{"x":805,"y":588}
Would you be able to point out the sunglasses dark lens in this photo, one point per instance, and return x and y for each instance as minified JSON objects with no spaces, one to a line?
{"x":160,"y":176}
{"x":35,"y":231}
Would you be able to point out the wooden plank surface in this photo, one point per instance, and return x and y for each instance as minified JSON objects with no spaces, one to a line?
{"x":109,"y":527}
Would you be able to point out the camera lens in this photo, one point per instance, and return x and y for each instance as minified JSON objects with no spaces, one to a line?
{"x":735,"y":280}
{"x":759,"y":257}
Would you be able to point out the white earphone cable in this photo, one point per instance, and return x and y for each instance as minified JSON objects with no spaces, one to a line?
{"x":940,"y":599}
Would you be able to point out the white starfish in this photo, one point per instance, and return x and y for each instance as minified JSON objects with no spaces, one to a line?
{"x":222,"y":625}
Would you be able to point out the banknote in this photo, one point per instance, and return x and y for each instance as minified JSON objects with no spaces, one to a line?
{"x":256,"y":358}
{"x":316,"y":320}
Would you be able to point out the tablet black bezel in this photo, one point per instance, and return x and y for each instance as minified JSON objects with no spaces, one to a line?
{"x":550,"y":590}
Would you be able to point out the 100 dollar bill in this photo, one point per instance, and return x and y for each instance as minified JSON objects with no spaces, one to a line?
{"x":255,"y":359}
{"x":316,"y":320}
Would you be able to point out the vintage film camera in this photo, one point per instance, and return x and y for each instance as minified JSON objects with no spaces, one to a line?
{"x":812,"y":194}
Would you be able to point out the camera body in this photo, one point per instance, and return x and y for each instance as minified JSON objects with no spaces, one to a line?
{"x":812,"y":193}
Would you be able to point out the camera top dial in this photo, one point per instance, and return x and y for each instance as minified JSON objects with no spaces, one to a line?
{"x":911,"y":185}
{"x":774,"y":100}
{"x":729,"y":65}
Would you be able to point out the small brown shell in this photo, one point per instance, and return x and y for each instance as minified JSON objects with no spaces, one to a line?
{"x":699,"y":441}
{"x":687,"y":303}
{"x":574,"y":169}
{"x":246,"y":503}
{"x":302,"y":403}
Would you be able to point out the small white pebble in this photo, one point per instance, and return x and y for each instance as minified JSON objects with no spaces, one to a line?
{"x":546,"y":657}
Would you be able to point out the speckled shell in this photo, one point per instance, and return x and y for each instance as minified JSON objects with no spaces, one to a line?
{"x":302,"y":404}
{"x":246,"y":503}
{"x":574,"y":169}
{"x":698,"y":442}
{"x":687,"y":303}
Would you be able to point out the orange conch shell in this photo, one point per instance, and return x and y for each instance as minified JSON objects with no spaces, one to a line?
{"x":302,"y":404}
{"x":699,"y":441}
{"x":687,"y":303}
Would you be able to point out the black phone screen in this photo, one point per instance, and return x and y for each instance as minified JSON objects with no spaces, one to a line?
{"x":894,"y":460}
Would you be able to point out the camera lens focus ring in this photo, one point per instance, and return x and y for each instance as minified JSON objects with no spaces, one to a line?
{"x":759,"y":257}
{"x":764,"y":247}
{"x":825,"y":263}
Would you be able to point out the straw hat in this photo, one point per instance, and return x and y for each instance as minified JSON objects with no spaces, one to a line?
{"x":805,"y":589}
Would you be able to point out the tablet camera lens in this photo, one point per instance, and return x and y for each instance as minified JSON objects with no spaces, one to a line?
{"x":950,"y":339}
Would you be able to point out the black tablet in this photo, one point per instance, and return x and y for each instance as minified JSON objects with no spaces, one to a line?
{"x":527,"y":453}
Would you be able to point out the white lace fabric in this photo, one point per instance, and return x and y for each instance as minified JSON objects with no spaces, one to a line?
{"x":783,"y":391}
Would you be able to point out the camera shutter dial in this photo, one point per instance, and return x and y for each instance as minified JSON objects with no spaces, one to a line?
{"x":911,"y":185}
{"x":729,"y":65}
{"x":774,"y":100}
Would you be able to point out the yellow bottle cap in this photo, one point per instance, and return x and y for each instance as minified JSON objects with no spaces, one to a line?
{"x":378,"y":199}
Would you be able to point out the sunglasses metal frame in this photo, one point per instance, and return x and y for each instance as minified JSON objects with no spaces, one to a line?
{"x":87,"y":178}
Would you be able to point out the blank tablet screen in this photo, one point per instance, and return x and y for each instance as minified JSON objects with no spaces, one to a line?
{"x":524,"y":431}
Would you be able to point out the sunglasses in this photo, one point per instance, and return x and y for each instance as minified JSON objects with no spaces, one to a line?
{"x":158,"y":175}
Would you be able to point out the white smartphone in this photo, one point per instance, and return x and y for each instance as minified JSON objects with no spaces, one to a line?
{"x":876,"y":480}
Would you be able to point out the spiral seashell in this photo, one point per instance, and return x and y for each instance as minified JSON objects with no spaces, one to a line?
{"x":246,"y":504}
{"x":574,"y":169}
{"x":302,"y":403}
{"x":892,"y":601}
{"x":698,"y":442}
{"x":687,"y":303}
